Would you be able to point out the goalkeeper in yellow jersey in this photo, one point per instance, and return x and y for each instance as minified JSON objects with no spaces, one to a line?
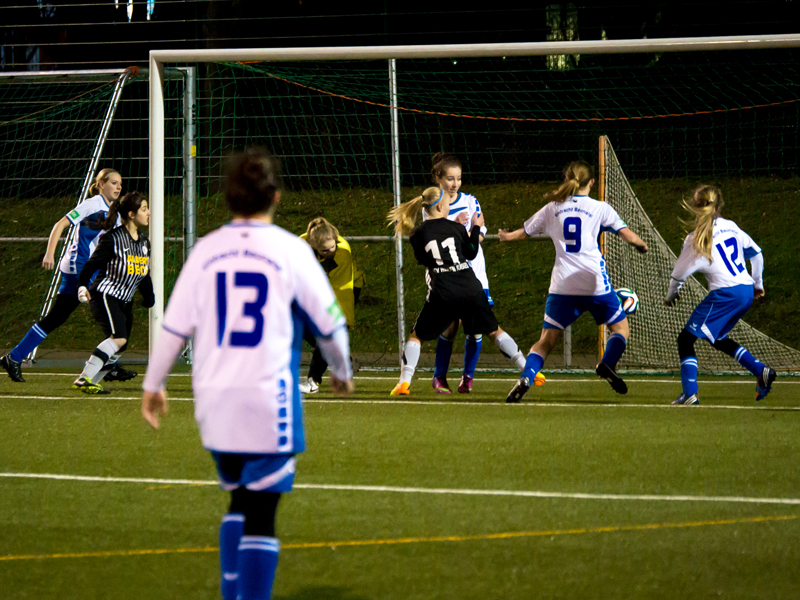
{"x":336,"y":258}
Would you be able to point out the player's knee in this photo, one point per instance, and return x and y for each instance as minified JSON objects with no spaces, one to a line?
{"x":686,"y":342}
{"x":728,"y":346}
{"x":258,"y":508}
{"x":120,"y":342}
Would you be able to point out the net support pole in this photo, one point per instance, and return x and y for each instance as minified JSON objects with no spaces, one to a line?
{"x":568,"y":346}
{"x":87,"y":182}
{"x":189,"y":171}
{"x":156,"y":195}
{"x":601,"y":330}
{"x":396,"y":188}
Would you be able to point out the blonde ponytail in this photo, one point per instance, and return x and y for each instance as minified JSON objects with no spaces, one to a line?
{"x":578,"y":174}
{"x":704,"y":206}
{"x":100,"y":180}
{"x":404,"y":216}
{"x":320,"y":231}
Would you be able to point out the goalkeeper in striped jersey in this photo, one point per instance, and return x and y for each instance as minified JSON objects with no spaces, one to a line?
{"x":334,"y":254}
{"x":246,"y":294}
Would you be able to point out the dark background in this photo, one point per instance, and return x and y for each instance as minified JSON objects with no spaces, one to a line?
{"x":94,"y":34}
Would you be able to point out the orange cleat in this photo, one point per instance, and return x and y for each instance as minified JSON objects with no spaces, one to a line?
{"x":401,"y":389}
{"x":539,"y":379}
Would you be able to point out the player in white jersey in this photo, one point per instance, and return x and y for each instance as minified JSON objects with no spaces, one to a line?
{"x":86,"y":218}
{"x":579,"y":281}
{"x":718,"y":249}
{"x":245,"y":294}
{"x":446,"y":173}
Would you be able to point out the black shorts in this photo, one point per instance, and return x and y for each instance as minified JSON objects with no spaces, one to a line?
{"x":436,"y":315}
{"x":112,"y":314}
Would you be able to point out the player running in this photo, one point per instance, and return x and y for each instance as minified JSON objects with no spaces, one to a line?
{"x":122,"y":263}
{"x":579,"y":281}
{"x":86,"y":216}
{"x":446,"y":173}
{"x":717,"y":248}
{"x":246,"y":293}
{"x":444,"y":247}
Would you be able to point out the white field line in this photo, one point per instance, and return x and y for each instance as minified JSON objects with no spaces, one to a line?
{"x":83,"y":398}
{"x":418,"y":490}
{"x":749,"y":381}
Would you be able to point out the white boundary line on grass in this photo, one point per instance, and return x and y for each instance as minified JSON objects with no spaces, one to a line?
{"x":306,"y":400}
{"x":434,"y":403}
{"x":418,"y":490}
{"x":749,"y":381}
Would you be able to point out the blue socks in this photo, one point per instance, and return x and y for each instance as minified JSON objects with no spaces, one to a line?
{"x":689,"y":375}
{"x":472,"y":350}
{"x":230,"y":532}
{"x":33,"y":338}
{"x":748,"y":361}
{"x":614,"y":348}
{"x":257,"y":561}
{"x":444,"y":349}
{"x":533,"y":364}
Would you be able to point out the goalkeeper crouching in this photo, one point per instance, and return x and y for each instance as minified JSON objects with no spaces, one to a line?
{"x":336,"y":258}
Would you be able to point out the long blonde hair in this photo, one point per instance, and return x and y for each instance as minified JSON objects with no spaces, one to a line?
{"x":404,"y":216}
{"x":320,"y":231}
{"x":578,"y":174}
{"x":102,"y":177}
{"x":704,"y":206}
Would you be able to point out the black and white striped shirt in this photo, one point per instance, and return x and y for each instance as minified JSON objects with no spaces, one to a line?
{"x":123,"y":264}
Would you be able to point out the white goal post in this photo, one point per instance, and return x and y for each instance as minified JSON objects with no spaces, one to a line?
{"x":159,"y":59}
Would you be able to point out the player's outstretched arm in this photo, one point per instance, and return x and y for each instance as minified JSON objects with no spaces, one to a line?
{"x":633,"y":239}
{"x":49,"y":260}
{"x":512,"y":236}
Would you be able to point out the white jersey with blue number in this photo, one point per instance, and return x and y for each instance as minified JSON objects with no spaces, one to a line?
{"x":86,"y":217}
{"x":575,"y":226}
{"x":245,"y":293}
{"x":465,"y":203}
{"x":729,"y":249}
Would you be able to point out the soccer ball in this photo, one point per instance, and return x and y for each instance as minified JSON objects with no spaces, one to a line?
{"x":628,"y":299}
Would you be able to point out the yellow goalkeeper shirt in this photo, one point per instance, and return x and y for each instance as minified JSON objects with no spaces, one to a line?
{"x":343,"y":275}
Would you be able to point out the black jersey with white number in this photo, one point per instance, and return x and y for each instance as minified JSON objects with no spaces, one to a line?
{"x":123,"y":264}
{"x":444,"y":247}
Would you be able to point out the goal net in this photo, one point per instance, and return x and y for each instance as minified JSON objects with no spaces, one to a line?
{"x":655,"y":327}
{"x":57,"y":130}
{"x":515,"y":115}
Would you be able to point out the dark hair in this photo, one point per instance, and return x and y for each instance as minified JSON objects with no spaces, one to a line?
{"x":442,"y":162}
{"x":130,"y":202}
{"x":252,"y":178}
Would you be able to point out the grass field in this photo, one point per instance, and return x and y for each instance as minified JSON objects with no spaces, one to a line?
{"x":575,"y":493}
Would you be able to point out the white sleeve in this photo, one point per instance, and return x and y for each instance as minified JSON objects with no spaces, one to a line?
{"x":336,"y":352}
{"x":477,"y":209}
{"x":180,"y":318}
{"x":757,"y":270}
{"x":536,"y":226}
{"x":611,"y":221}
{"x":167,"y":348}
{"x":80,"y":212}
{"x":687,"y":264}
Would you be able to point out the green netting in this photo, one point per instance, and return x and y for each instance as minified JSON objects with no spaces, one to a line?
{"x":728,"y":117}
{"x":49,"y":126}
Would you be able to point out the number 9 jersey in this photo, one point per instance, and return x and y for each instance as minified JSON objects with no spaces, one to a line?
{"x":730,"y":247}
{"x":246,"y":293}
{"x":575,"y":226}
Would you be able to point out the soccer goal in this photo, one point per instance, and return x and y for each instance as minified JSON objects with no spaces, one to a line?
{"x":356,"y":128}
{"x":57,"y":130}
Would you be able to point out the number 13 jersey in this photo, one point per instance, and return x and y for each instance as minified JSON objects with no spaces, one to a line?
{"x":575,"y":226}
{"x":729,"y":249}
{"x":246,"y":292}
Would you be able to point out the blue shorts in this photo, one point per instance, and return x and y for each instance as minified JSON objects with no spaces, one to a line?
{"x":69,"y":284}
{"x":256,"y":472}
{"x":562,"y":310}
{"x":716,"y":315}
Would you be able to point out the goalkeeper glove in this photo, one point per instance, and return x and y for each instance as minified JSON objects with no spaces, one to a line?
{"x":83,"y":294}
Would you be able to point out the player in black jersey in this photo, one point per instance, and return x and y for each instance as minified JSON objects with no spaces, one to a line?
{"x":443,"y":247}
{"x":123,"y":260}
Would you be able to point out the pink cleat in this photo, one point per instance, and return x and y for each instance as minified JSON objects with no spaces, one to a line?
{"x":465,"y":387}
{"x":440,"y":385}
